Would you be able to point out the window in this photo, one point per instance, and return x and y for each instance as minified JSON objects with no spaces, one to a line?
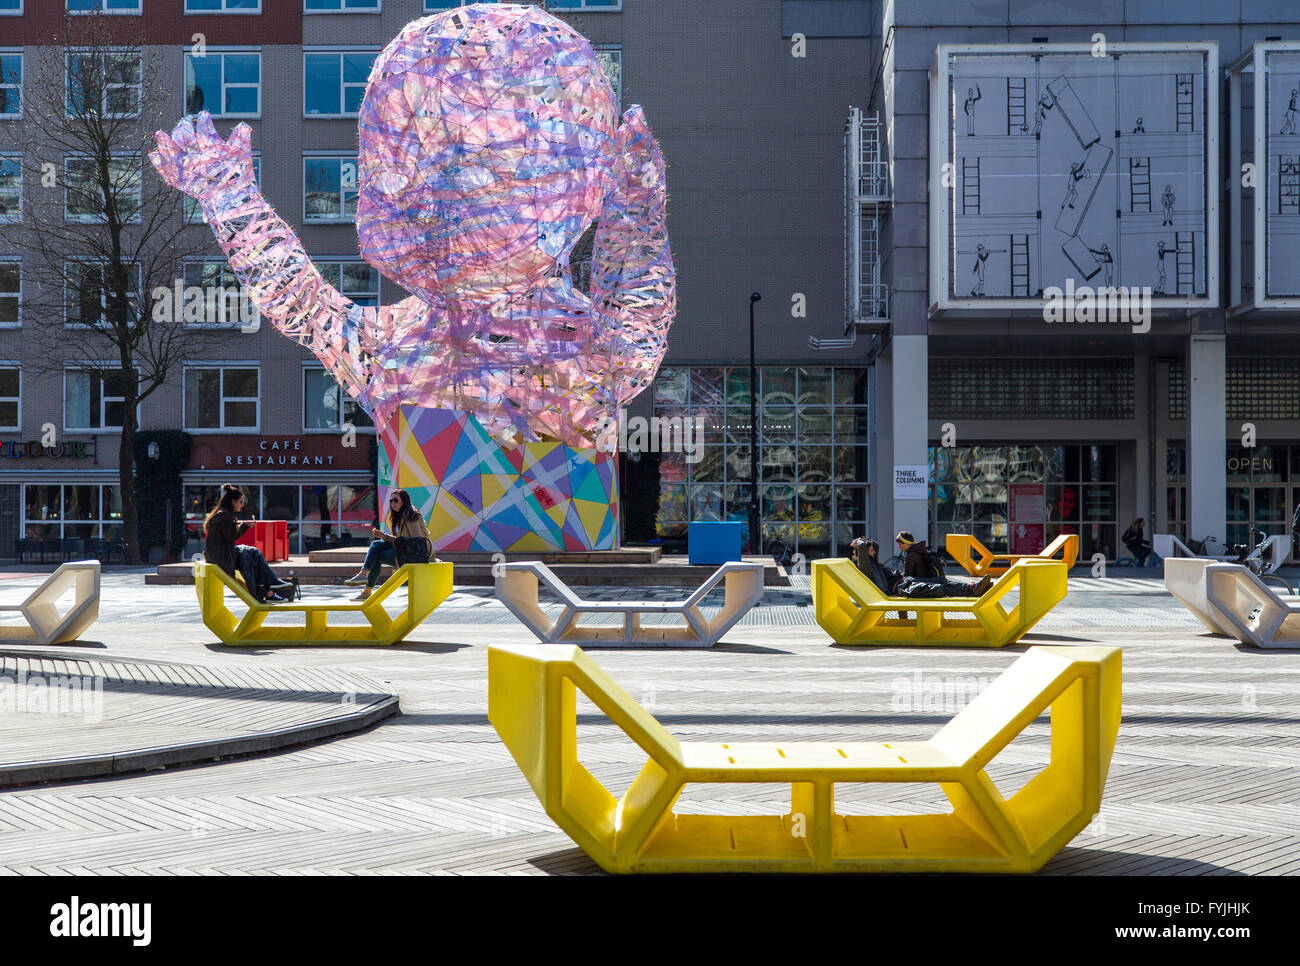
{"x":334,"y":81}
{"x":92,"y":400}
{"x":340,"y":6}
{"x":11,"y":83}
{"x":812,"y":458}
{"x":110,"y":79}
{"x":11,"y":8}
{"x":85,"y":194}
{"x":11,"y":188}
{"x":11,"y":398}
{"x":357,"y":280}
{"x":72,"y":511}
{"x":193,"y":213}
{"x":221,"y":398}
{"x":329,"y":188}
{"x":997,"y":388}
{"x":318,"y":516}
{"x":11,"y":291}
{"x":223,"y":6}
{"x":611,"y":58}
{"x":225,"y":83}
{"x":103,"y":6}
{"x":220,"y":299}
{"x":86,"y":295}
{"x":327,"y":406}
{"x":586,"y":4}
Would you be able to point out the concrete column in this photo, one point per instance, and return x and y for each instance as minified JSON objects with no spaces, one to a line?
{"x":1206,"y":447}
{"x":910,"y":415}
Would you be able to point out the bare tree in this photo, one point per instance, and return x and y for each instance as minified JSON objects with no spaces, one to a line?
{"x":101,"y":231}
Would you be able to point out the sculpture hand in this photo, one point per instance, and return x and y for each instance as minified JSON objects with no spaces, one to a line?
{"x":633,"y":289}
{"x":195,"y":159}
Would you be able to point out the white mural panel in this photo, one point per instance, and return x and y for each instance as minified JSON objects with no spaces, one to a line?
{"x":1065,"y":166}
{"x":1282,"y":149}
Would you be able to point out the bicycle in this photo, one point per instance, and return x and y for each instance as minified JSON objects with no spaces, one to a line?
{"x":1252,"y":558}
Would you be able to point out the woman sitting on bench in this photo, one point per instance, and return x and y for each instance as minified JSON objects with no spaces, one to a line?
{"x":404,"y":520}
{"x":221,"y":529}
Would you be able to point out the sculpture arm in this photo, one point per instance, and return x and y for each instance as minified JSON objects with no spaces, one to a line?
{"x":264,"y":252}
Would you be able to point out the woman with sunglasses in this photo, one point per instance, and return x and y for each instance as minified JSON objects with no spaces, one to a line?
{"x":404,"y":520}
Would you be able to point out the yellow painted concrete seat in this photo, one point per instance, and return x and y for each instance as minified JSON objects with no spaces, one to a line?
{"x":979,"y":561}
{"x":853,"y":610}
{"x":428,"y":585}
{"x":45,"y":620}
{"x":532,"y":692}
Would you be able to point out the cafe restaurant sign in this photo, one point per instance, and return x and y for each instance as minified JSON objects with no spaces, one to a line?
{"x":308,"y":452}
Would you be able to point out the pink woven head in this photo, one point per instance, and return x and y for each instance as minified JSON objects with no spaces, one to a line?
{"x":486,"y":137}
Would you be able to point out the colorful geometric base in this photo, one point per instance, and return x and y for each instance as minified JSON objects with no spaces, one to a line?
{"x":477,"y":495}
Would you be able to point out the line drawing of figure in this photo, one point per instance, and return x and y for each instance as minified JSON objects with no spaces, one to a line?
{"x":981,"y":264}
{"x":1288,"y":126}
{"x":1045,"y":104}
{"x":1138,"y":128}
{"x":1107,"y":262}
{"x":1077,"y":173}
{"x":1161,"y":252}
{"x":972,"y":95}
{"x":1167,"y":199}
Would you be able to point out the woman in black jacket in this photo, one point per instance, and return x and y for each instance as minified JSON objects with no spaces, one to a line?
{"x":221,"y":529}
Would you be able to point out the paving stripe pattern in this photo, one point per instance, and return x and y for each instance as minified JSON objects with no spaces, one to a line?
{"x":1205,"y":779}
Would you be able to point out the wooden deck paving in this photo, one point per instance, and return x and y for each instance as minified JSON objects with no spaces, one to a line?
{"x":1205,"y":779}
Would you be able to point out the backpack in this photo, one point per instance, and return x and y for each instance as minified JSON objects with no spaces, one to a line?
{"x":934,"y":561}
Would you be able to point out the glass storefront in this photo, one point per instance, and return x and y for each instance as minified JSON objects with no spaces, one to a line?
{"x":1012,"y":498}
{"x":71,"y":511}
{"x":318,"y":517}
{"x":1263,"y":488}
{"x":812,"y":460}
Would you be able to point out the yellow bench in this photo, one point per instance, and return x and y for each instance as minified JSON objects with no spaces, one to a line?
{"x":853,"y":610}
{"x":532,"y":704}
{"x":979,"y":561}
{"x":428,"y":585}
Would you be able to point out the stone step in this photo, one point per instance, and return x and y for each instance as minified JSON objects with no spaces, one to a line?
{"x":628,"y":555}
{"x":667,"y":572}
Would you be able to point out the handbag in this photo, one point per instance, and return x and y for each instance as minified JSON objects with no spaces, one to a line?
{"x":412,"y":550}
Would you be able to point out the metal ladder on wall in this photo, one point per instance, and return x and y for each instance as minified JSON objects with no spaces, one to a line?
{"x":970,"y":186}
{"x":866,"y":203}
{"x":1019,"y":265}
{"x":1186,"y":262}
{"x":1139,"y":184}
{"x":1186,"y":117}
{"x":1016,"y":119}
{"x":1288,"y":185}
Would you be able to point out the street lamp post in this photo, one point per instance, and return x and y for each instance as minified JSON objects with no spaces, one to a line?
{"x":755,"y":536}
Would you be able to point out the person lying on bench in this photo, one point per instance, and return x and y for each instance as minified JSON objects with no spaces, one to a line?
{"x":865,"y":552}
{"x":221,"y":529}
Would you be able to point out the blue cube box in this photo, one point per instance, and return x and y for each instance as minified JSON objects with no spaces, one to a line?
{"x":714,"y":543}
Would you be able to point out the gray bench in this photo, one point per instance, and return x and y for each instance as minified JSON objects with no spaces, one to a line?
{"x":517,"y":586}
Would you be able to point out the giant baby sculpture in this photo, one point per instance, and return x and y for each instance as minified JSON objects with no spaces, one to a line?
{"x":488,"y":145}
